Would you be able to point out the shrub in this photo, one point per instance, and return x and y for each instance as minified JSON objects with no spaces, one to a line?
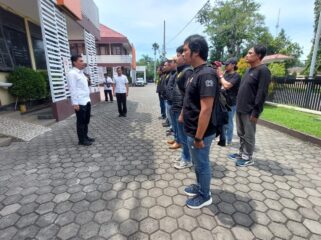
{"x":44,"y":73}
{"x":27,"y":84}
{"x":277,"y":69}
{"x":242,"y":65}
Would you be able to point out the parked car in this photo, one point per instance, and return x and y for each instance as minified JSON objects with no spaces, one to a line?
{"x":140,"y":82}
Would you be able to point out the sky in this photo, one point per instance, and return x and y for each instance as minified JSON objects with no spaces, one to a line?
{"x":142,"y":21}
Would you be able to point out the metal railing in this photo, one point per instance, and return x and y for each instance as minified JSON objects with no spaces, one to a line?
{"x":305,"y":93}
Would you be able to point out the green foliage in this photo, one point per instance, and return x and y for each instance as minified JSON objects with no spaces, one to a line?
{"x":231,"y":24}
{"x":45,"y":76}
{"x":277,"y":69}
{"x":242,"y":65}
{"x":149,"y":63}
{"x":27,"y":84}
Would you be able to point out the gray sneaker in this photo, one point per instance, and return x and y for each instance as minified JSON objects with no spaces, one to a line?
{"x":177,"y":160}
{"x":183,"y":164}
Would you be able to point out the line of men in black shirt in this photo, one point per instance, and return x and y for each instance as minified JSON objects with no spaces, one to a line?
{"x":191,"y":91}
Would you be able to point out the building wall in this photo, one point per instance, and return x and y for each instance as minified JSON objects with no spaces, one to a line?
{"x":25,"y":49}
{"x":5,"y":97}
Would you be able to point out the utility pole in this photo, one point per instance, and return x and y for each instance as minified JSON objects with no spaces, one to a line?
{"x":315,"y":49}
{"x":164,"y":44}
{"x":277,"y":24}
{"x":312,"y":65}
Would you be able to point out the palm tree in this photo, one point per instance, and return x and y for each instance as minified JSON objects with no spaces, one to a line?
{"x":155,"y":48}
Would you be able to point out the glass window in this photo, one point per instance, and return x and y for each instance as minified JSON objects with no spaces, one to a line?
{"x":116,"y":50}
{"x":14,"y":50}
{"x":38,"y":46}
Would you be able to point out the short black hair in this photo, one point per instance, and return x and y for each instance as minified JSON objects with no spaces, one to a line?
{"x":180,"y":49}
{"x":119,"y":67}
{"x":197,"y":44}
{"x":75,"y":58}
{"x":260,"y":50}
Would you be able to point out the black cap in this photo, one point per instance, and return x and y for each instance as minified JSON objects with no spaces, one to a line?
{"x":230,"y":61}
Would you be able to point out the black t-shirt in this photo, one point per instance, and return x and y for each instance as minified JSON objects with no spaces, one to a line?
{"x":202,"y":83}
{"x":234,"y":79}
{"x":182,"y":76}
{"x":253,"y":90}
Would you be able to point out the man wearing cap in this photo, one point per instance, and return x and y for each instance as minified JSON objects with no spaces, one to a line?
{"x":249,"y":104}
{"x":230,"y":81}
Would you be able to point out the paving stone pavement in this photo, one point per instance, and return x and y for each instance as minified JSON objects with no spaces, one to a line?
{"x":20,"y":129}
{"x":125,"y":186}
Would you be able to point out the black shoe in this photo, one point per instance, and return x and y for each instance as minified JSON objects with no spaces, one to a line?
{"x":124,"y":115}
{"x":165,"y":124}
{"x":221,"y":143}
{"x":85,"y":143}
{"x":90,"y":139}
{"x":120,"y":115}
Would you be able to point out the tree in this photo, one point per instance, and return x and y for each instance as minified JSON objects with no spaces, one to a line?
{"x":155,"y":48}
{"x":147,"y":61}
{"x":234,"y":26}
{"x":231,"y":25}
{"x":281,"y":44}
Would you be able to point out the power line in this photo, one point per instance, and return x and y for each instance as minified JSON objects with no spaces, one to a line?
{"x":190,"y":21}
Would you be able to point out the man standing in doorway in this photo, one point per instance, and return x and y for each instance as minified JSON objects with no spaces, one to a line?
{"x":249,"y":105}
{"x":80,"y":99}
{"x":120,"y":89}
{"x":198,"y":105}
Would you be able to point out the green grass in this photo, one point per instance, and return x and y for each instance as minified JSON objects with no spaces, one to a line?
{"x":292,"y":119}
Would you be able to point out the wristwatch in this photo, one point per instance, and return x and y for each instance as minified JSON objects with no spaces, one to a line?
{"x":198,"y":139}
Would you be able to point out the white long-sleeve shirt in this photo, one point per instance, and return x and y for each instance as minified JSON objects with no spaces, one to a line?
{"x":78,"y":86}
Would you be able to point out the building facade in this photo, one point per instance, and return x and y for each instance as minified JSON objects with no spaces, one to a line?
{"x":113,"y":50}
{"x":36,"y":34}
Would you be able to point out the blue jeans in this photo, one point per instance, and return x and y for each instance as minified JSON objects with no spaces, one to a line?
{"x":201,"y":161}
{"x":182,"y":138}
{"x":168,"y":112}
{"x":175,"y":126}
{"x":162,"y":105}
{"x":227,"y":129}
{"x":230,"y":126}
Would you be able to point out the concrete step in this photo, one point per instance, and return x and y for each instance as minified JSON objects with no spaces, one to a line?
{"x":47,"y":122}
{"x":5,"y":141}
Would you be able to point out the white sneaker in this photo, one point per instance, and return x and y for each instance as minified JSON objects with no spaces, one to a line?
{"x":183,"y":164}
{"x":177,"y":160}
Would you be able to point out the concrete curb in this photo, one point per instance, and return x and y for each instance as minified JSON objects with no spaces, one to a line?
{"x":291,"y":132}
{"x":5,"y":141}
{"x":294,"y":108}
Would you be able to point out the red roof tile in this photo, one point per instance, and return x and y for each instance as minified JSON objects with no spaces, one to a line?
{"x":106,"y":32}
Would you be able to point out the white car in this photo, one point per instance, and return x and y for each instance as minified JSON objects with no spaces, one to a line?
{"x":140,"y":82}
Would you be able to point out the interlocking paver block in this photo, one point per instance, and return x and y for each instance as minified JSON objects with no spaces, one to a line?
{"x":68,"y":231}
{"x":313,"y":226}
{"x":10,"y":209}
{"x":124,"y":186}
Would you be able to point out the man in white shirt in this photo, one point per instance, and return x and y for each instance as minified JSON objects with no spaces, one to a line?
{"x":120,"y":89}
{"x":108,"y":88}
{"x":80,"y":99}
